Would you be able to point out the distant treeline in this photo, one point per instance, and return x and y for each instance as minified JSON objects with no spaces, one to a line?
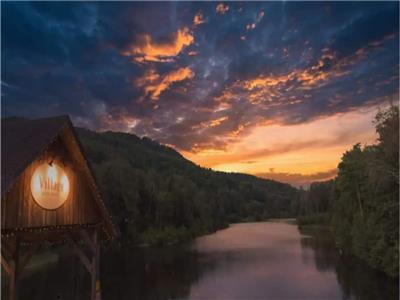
{"x":158,"y":197}
{"x":362,"y":202}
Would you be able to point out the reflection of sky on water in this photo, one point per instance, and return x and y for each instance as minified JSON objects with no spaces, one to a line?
{"x":271,"y":260}
{"x":262,"y":261}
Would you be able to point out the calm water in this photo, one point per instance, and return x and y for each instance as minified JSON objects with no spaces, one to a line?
{"x":270,"y":260}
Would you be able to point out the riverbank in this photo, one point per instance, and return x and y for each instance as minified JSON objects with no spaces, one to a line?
{"x":313,"y":219}
{"x":323,"y":220}
{"x":170,"y":236}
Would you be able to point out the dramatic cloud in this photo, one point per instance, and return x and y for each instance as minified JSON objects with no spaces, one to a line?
{"x":247,"y":87}
{"x":149,"y":50}
{"x":154,"y":85}
{"x":290,"y":88}
{"x":306,"y":149}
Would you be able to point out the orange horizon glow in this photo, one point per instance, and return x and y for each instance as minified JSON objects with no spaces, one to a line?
{"x":290,"y":152}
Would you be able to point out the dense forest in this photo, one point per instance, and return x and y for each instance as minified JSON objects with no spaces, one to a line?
{"x":362,"y":203}
{"x":159,"y":197}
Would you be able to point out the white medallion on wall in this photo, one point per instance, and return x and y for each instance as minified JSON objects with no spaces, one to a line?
{"x":50,"y":186}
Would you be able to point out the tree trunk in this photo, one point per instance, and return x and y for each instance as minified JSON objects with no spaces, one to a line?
{"x":359,"y":200}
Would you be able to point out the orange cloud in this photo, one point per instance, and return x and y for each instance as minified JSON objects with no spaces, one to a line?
{"x":209,"y":124}
{"x":307,"y":148}
{"x":272,"y":90}
{"x":149,"y":50}
{"x":307,"y":78}
{"x":198,"y":19}
{"x":218,"y":121}
{"x":222,"y":8}
{"x":154,"y":85}
{"x":149,"y":76}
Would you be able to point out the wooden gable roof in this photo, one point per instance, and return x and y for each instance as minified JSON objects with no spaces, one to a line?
{"x":24,"y":140}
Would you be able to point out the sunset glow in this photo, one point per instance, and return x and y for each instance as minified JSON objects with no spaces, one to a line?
{"x":276,"y":151}
{"x":252,"y":87}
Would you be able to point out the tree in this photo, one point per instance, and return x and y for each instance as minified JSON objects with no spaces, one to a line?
{"x":366,"y":208}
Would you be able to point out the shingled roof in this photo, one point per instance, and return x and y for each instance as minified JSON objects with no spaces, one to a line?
{"x":23,"y":140}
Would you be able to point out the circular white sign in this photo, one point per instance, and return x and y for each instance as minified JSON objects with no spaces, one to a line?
{"x":49,"y":186}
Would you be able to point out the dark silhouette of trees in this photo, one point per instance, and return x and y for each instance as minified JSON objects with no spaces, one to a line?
{"x":362,"y":202}
{"x":159,"y":197}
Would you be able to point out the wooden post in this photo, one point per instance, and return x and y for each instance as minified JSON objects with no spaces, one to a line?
{"x":27,"y":256}
{"x":6,"y":265}
{"x":7,"y":257}
{"x":81,"y":254}
{"x":91,"y":261}
{"x":13,"y":284}
{"x":96,"y":291}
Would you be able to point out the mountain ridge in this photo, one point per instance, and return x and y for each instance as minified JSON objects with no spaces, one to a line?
{"x":150,"y":141}
{"x":158,"y":196}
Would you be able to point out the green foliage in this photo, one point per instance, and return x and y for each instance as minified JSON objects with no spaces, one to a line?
{"x":365,"y":213}
{"x":313,"y":219}
{"x":158,"y":197}
{"x":362,"y":203}
{"x":165,"y":236}
{"x":318,"y":199}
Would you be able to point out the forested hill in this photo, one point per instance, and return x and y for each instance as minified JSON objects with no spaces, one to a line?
{"x":158,"y":197}
{"x":362,"y":203}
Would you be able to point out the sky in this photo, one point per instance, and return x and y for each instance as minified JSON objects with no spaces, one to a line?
{"x":276,"y":89}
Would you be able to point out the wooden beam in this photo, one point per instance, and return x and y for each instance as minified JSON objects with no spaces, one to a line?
{"x":6,"y":254}
{"x":81,"y":254}
{"x":7,"y":249}
{"x":6,"y":265}
{"x":25,"y":259}
{"x":96,"y":290}
{"x":14,"y":278}
{"x":89,"y":240}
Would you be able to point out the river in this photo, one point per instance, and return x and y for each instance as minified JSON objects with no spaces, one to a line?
{"x":268,"y":260}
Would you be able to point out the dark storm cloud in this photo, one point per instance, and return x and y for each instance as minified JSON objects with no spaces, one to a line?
{"x":153,"y":69}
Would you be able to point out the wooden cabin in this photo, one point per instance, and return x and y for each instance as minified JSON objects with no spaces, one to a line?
{"x":48,"y":193}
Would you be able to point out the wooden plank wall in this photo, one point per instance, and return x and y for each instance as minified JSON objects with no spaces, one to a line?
{"x":19,"y":209}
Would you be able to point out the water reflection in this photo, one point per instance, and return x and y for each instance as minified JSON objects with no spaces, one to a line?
{"x":267,"y":264}
{"x":318,"y":245}
{"x":136,"y":273}
{"x":271,"y":260}
{"x":63,"y":277}
{"x":356,"y":279}
{"x":151,"y":273}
